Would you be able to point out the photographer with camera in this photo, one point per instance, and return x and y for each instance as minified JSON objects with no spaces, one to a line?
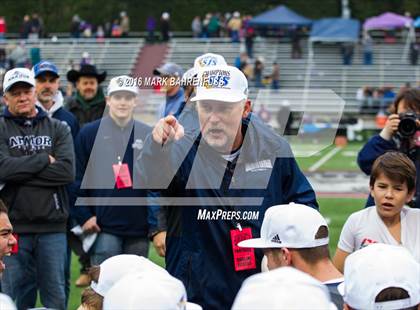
{"x":401,"y":133}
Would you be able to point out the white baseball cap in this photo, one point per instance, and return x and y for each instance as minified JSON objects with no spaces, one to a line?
{"x":376,"y":267}
{"x":221,"y":83}
{"x":17,"y":75}
{"x":289,"y":226}
{"x":283,"y":288}
{"x":116,"y":267}
{"x":122,"y":83}
{"x":205,"y":60}
{"x":148,"y":291}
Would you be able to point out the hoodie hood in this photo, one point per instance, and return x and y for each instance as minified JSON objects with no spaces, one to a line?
{"x":58,"y":103}
{"x":24,"y":121}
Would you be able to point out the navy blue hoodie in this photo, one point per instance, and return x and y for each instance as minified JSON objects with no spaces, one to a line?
{"x":100,"y":141}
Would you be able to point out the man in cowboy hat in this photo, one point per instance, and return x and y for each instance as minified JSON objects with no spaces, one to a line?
{"x":88,"y":104}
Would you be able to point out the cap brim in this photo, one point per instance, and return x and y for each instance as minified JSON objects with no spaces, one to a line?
{"x":258,"y":243}
{"x":216,"y":95}
{"x":192,"y":306}
{"x":51,"y":72}
{"x":18,"y":82}
{"x":123,"y":90}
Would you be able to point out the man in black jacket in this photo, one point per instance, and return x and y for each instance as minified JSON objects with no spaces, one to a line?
{"x":36,"y":162}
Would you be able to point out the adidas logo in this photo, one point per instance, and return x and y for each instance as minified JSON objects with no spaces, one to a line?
{"x":276,"y":239}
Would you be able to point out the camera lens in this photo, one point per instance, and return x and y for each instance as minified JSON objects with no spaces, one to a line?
{"x":407,"y":126}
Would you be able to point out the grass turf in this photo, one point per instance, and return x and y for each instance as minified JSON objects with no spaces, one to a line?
{"x":336,"y":210}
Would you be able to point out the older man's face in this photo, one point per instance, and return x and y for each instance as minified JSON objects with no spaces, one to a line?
{"x":20,"y":100}
{"x":87,"y":87}
{"x":46,"y":87}
{"x":221,"y":123}
{"x":7,"y":240}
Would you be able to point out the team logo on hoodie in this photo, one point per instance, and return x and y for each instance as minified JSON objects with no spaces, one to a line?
{"x":31,"y":142}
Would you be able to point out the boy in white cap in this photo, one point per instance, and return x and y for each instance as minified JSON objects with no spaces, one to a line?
{"x":284,"y":288}
{"x":297,"y":236}
{"x":390,"y":221}
{"x":231,"y":165}
{"x":110,"y":272}
{"x":105,"y":151}
{"x":148,"y":291}
{"x":381,"y":276}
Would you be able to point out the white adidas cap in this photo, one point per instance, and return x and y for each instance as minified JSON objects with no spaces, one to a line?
{"x":116,"y":267}
{"x":283,"y":288}
{"x":376,"y":267}
{"x":122,"y":83}
{"x":221,"y":83}
{"x":17,"y":75}
{"x":289,"y":226}
{"x":148,"y":291}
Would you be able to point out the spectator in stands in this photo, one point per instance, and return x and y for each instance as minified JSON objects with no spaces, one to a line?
{"x":381,"y":276}
{"x":275,"y":76}
{"x":258,"y":72}
{"x":36,"y":27}
{"x":3,"y":59}
{"x":151,"y":28}
{"x":100,"y":34}
{"x":414,"y":53}
{"x":88,"y":104}
{"x":249,"y":40}
{"x":121,"y":229}
{"x":25,"y":28}
{"x":7,"y":240}
{"x":3,"y":28}
{"x":196,"y":27}
{"x":347,"y":51}
{"x":295,"y":37}
{"x":171,"y":75}
{"x":18,"y":58}
{"x":234,"y":26}
{"x":165,"y":26}
{"x":75,"y":27}
{"x":85,"y":60}
{"x":213,"y":26}
{"x":37,"y":163}
{"x":390,"y":221}
{"x":297,"y":236}
{"x":125,"y":24}
{"x":367,"y":49}
{"x":389,"y":139}
{"x":116,"y":30}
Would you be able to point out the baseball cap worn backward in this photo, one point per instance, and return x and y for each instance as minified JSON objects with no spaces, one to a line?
{"x":122,"y":83}
{"x":18,"y":75}
{"x":221,"y":83}
{"x":43,"y":67}
{"x":170,"y":69}
{"x":376,"y":267}
{"x":289,"y":226}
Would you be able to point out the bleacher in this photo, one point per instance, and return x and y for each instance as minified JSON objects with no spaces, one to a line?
{"x":326,"y":70}
{"x":116,"y":56}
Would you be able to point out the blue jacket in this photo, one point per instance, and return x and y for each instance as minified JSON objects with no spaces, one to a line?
{"x":97,"y":150}
{"x":375,"y":147}
{"x":173,"y":104}
{"x":65,"y":116}
{"x":199,"y":252}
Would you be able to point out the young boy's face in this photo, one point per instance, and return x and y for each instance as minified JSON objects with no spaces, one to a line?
{"x":390,"y":196}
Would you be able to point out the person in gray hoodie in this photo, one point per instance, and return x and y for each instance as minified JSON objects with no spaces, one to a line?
{"x":36,"y":163}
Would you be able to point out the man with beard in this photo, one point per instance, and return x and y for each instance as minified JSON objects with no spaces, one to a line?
{"x":49,"y":98}
{"x":88,"y":104}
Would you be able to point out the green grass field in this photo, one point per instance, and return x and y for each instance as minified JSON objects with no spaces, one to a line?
{"x":335,"y":210}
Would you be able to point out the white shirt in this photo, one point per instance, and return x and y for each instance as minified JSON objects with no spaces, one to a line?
{"x":365,"y":227}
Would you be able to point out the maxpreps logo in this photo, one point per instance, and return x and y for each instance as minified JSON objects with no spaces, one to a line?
{"x":216,"y":79}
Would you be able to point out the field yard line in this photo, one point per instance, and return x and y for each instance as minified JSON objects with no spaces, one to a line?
{"x":324,"y":159}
